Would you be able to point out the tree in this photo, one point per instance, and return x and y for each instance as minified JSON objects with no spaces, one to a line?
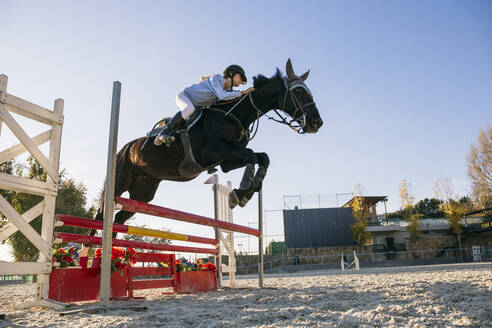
{"x":406,"y":198}
{"x":361,"y":236}
{"x":413,"y":226}
{"x":454,"y":208}
{"x":480,"y":168}
{"x":429,"y":208}
{"x":71,"y":200}
{"x":454,"y":211}
{"x":443,"y":188}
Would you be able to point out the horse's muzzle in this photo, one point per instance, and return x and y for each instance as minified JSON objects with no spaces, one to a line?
{"x":314,"y":124}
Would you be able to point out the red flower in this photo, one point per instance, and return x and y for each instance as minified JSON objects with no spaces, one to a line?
{"x":209,"y":267}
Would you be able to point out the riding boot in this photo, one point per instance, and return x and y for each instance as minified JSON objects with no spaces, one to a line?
{"x":166,"y":135}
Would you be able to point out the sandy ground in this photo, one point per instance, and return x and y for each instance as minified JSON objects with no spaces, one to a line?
{"x":458,"y":295}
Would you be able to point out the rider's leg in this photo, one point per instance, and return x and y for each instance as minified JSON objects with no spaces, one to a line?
{"x":186,"y":110}
{"x":185,"y":105}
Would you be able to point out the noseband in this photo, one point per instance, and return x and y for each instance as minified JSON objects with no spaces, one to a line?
{"x":297,"y":123}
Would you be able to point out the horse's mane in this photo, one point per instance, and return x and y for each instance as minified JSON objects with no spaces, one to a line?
{"x":261,"y":80}
{"x":258,"y":81}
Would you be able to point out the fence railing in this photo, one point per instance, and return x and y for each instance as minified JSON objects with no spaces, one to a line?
{"x":456,"y":254}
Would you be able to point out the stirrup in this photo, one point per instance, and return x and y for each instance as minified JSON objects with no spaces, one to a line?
{"x":164,"y":139}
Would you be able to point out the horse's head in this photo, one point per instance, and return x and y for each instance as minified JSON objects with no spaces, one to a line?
{"x":297,"y":101}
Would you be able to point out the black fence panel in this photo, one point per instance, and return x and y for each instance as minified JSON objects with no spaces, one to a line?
{"x":318,"y":227}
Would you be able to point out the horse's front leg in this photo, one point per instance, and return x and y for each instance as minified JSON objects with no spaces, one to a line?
{"x":249,"y":184}
{"x":232,"y":157}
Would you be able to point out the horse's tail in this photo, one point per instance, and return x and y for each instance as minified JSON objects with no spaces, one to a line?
{"x":121,"y":170}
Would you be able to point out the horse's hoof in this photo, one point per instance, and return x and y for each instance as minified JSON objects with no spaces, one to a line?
{"x":246,"y":198}
{"x":233,"y":200}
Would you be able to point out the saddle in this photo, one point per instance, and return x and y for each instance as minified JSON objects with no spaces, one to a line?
{"x":188,"y":168}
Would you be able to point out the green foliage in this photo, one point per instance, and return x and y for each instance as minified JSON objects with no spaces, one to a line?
{"x":394,"y":215}
{"x":71,"y":200}
{"x":413,"y":226}
{"x":429,"y":208}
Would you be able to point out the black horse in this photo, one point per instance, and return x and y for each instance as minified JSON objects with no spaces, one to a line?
{"x":219,"y":138}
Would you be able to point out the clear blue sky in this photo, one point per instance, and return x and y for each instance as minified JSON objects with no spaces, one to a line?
{"x":403,"y":87}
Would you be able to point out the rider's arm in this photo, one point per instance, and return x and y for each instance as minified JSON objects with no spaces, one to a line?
{"x":217,"y":84}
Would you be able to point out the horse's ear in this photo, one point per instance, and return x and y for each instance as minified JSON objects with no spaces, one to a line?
{"x":305,"y":75}
{"x":289,"y":69}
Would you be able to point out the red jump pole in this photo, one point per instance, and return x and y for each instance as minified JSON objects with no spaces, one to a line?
{"x":74,"y":221}
{"x":135,"y":206}
{"x":70,"y":237}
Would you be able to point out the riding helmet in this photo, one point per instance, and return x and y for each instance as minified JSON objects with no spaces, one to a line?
{"x":232,"y":69}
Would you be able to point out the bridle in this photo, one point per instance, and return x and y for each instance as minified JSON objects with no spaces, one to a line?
{"x":296,"y":123}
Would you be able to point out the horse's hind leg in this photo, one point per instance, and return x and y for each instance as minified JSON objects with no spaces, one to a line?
{"x":142,"y":188}
{"x":123,"y":180}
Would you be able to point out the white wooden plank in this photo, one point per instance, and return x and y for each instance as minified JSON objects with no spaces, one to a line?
{"x":3,"y":85}
{"x":27,"y":142}
{"x":3,"y":90}
{"x":24,"y":268}
{"x":27,"y":109}
{"x":7,"y":230}
{"x":50,"y":201}
{"x":19,"y":149}
{"x":228,"y":269}
{"x":25,"y":228}
{"x":29,"y":186}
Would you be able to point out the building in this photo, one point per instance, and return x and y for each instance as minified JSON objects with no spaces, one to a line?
{"x":331,"y":227}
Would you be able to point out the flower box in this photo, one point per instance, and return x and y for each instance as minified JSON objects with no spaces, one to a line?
{"x":195,"y":281}
{"x":83,"y":284}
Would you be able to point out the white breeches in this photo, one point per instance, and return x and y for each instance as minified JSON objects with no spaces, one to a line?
{"x":185,"y":105}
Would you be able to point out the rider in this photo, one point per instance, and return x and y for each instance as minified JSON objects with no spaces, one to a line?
{"x":204,"y":94}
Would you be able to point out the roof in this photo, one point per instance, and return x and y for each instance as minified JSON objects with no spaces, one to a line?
{"x":368,"y":200}
{"x":480,"y":211}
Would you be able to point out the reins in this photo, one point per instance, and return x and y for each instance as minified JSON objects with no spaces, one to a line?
{"x":296,"y":123}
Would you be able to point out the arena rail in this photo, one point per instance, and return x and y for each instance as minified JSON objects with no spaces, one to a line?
{"x":74,"y":221}
{"x":75,"y":238}
{"x":145,"y":208}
